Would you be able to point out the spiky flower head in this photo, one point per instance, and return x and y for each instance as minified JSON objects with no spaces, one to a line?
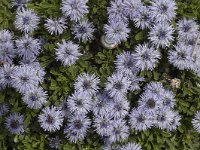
{"x":55,"y":26}
{"x":117,"y":85}
{"x":161,"y":35}
{"x":15,"y":123}
{"x":74,"y":9}
{"x":163,"y":10}
{"x":196,"y":121}
{"x":116,"y":31}
{"x":4,"y":108}
{"x":51,"y":118}
{"x":35,"y":99}
{"x":28,"y":47}
{"x":77,"y":127}
{"x":5,"y":36}
{"x":87,"y":83}
{"x":146,"y":57}
{"x":131,"y":146}
{"x":54,"y":142}
{"x":83,"y":30}
{"x":26,"y":20}
{"x":67,"y":52}
{"x":7,"y":52}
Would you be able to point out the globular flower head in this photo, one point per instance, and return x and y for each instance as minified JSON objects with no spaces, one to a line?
{"x":181,"y":57}
{"x":168,"y":99}
{"x":161,"y":35}
{"x":131,"y":146}
{"x":79,"y":103}
{"x":77,"y":127}
{"x":5,"y":36}
{"x":187,"y":29}
{"x":28,"y":47}
{"x":55,"y":26}
{"x":119,"y":132}
{"x":103,"y":124}
{"x":83,"y":30}
{"x":7,"y":52}
{"x":140,"y":120}
{"x":6,"y":75}
{"x":35,"y":99}
{"x":51,"y":118}
{"x":67,"y":52}
{"x":116,"y":31}
{"x":131,"y":7}
{"x":146,"y":57}
{"x":24,"y":78}
{"x":87,"y":83}
{"x":135,"y":81}
{"x":175,"y":122}
{"x":54,"y":142}
{"x":15,"y":123}
{"x":117,"y":85}
{"x":116,"y":11}
{"x":155,"y":88}
{"x":125,"y":63}
{"x":74,"y":9}
{"x":4,"y":108}
{"x":26,"y":20}
{"x":163,"y":10}
{"x":142,"y":18}
{"x":196,"y":121}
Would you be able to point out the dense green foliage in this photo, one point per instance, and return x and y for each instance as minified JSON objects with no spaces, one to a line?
{"x":59,"y":80}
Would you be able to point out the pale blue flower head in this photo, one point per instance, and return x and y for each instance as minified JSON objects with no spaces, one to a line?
{"x":35,"y":98}
{"x":7,"y":52}
{"x":196,"y":121}
{"x":51,"y":118}
{"x":55,"y":26}
{"x":175,"y":123}
{"x":116,"y":31}
{"x":76,"y":128}
{"x":54,"y":142}
{"x":79,"y":103}
{"x":4,"y":108}
{"x":28,"y":47}
{"x":163,"y":10}
{"x":131,"y":146}
{"x":74,"y":9}
{"x":161,"y":35}
{"x":5,"y":36}
{"x":67,"y":52}
{"x":15,"y":123}
{"x":83,"y":30}
{"x":87,"y":83}
{"x":146,"y":57}
{"x":26,"y":20}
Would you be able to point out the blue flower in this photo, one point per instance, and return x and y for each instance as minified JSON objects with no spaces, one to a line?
{"x":168,"y":99}
{"x":28,"y":47}
{"x":26,"y":20}
{"x":163,"y":10}
{"x":25,"y":78}
{"x":67,"y":52}
{"x":54,"y":142}
{"x":161,"y":35}
{"x":119,"y":132}
{"x":87,"y":83}
{"x":116,"y":31}
{"x":4,"y":108}
{"x":117,"y":85}
{"x":6,"y":75}
{"x":19,"y":3}
{"x":181,"y":57}
{"x":77,"y":127}
{"x":140,"y":120}
{"x":7,"y":52}
{"x":187,"y":29}
{"x":75,"y":9}
{"x":51,"y":118}
{"x":154,"y":88}
{"x":175,"y":122}
{"x":196,"y":121}
{"x":55,"y":26}
{"x":131,"y":146}
{"x":83,"y":30}
{"x":142,"y":17}
{"x":79,"y":103}
{"x":15,"y":123}
{"x":146,"y":57}
{"x":35,"y":99}
{"x":5,"y":36}
{"x":125,"y":63}
{"x":116,"y":11}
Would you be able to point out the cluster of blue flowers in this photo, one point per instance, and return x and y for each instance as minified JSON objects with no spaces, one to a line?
{"x":112,"y":116}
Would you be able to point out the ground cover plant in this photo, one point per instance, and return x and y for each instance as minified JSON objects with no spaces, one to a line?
{"x":100,"y":74}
